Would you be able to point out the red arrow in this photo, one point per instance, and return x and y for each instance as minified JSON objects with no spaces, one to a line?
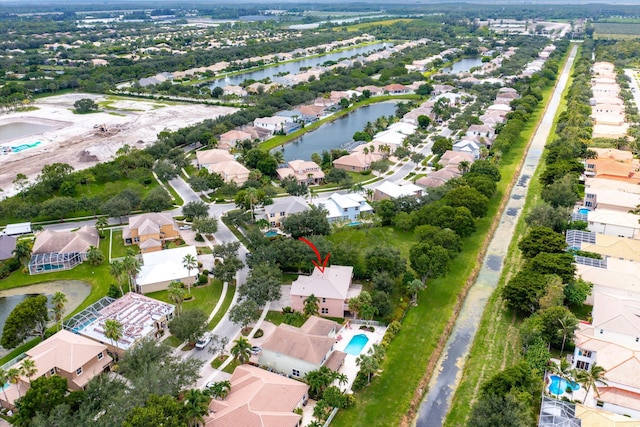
{"x":317,"y":264}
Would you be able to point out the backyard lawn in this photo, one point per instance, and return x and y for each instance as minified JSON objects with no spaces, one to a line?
{"x":118,"y":249}
{"x":204,"y":297}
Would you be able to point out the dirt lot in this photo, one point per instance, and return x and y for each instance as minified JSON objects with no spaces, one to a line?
{"x":84,"y":140}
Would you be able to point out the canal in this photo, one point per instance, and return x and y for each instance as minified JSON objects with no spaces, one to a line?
{"x":293,"y":67}
{"x":337,"y":134}
{"x":450,"y":367}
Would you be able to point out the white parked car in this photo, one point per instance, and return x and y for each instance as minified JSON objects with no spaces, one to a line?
{"x":185,"y":227}
{"x":203,"y":341}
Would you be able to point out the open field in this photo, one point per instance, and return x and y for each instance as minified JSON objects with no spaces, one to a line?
{"x":358,"y":27}
{"x":616,"y":30}
{"x":74,"y":139}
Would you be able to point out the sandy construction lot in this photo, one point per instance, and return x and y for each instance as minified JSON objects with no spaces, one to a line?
{"x":84,"y":140}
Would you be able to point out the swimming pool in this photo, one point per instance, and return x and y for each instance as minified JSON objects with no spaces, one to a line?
{"x":271,"y":233}
{"x":584,"y":211}
{"x":356,"y":344}
{"x":355,"y":223}
{"x":559,"y":385}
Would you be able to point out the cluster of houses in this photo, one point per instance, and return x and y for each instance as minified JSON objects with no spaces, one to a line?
{"x":82,"y":351}
{"x":612,"y":338}
{"x":607,"y":108}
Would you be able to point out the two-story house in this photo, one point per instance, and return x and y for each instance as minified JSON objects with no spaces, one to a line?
{"x":297,"y":351}
{"x":149,"y":231}
{"x":283,"y":207}
{"x":344,"y":207}
{"x":332,"y":287}
{"x":612,"y":341}
{"x":273,"y":124}
{"x":304,"y":171}
{"x":74,"y":357}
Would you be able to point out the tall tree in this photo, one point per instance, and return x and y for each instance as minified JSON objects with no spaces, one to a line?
{"x":428,"y":260}
{"x":195,"y":210}
{"x":116,"y":269}
{"x":94,"y":256}
{"x":241,"y":350}
{"x":263,"y":284}
{"x":196,"y":406}
{"x":113,"y":330}
{"x":132,"y":267}
{"x":176,"y":295}
{"x":28,"y":318}
{"x":308,"y":223}
{"x":22,"y":252}
{"x":190,"y":263}
{"x":189,"y":326}
{"x":101,"y":224}
{"x":311,"y":305}
{"x":28,"y":368}
{"x":591,"y":378}
{"x":4,"y":378}
{"x":58,"y":301}
{"x":244,"y":313}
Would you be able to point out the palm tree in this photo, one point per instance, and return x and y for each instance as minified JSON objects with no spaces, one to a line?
{"x":117,"y":271}
{"x":28,"y":368}
{"x":591,"y":378}
{"x":463,"y":167}
{"x":241,"y":350}
{"x":368,"y":365}
{"x":113,"y":330}
{"x":189,"y":262}
{"x":22,"y":252}
{"x":365,"y":150}
{"x":4,"y":377}
{"x":278,"y":155}
{"x":341,"y":378}
{"x":311,"y":305}
{"x":318,"y":380}
{"x":220,"y":389}
{"x":357,"y":188}
{"x":175,"y":293}
{"x":131,"y":266}
{"x":94,"y":256}
{"x":196,"y":407}
{"x":313,"y":193}
{"x":58,"y":301}
{"x":414,"y":287}
{"x":14,"y":378}
{"x":101,"y":224}
{"x":251,"y":198}
{"x":370,"y":193}
{"x":568,"y":325}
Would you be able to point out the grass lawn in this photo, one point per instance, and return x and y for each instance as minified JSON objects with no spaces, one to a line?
{"x":497,"y":343}
{"x":226,"y":303}
{"x":204,"y":297}
{"x":362,"y":239}
{"x":387,"y":401}
{"x":218,"y":361}
{"x":118,"y":249}
{"x":277,"y":318}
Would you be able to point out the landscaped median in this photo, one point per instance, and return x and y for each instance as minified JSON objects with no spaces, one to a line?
{"x":393,"y":397}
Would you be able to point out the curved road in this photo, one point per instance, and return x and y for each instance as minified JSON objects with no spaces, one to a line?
{"x":443,"y":384}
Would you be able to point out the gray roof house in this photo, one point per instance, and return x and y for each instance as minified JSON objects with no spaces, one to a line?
{"x":61,"y":250}
{"x":282,"y":208}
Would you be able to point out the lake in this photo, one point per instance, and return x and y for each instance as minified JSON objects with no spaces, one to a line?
{"x":293,"y":67}
{"x":16,"y":130}
{"x":464,"y":65}
{"x":337,"y":134}
{"x":75,"y":290}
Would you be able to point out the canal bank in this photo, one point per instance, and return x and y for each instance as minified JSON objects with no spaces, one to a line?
{"x":450,"y":365}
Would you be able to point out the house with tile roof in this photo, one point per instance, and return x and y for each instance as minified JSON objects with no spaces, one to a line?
{"x":612,"y":341}
{"x":614,"y":223}
{"x":206,"y":158}
{"x":149,"y":231}
{"x":296,"y":351}
{"x":231,"y":170}
{"x":303,"y":171}
{"x":258,"y":398}
{"x":61,"y":250}
{"x":161,"y":268}
{"x":332,"y":287}
{"x":618,"y":277}
{"x":354,"y":162}
{"x":71,"y":356}
{"x":282,"y":207}
{"x":229,"y":139}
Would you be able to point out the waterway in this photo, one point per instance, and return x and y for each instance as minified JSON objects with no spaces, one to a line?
{"x":337,"y":134}
{"x":448,"y":372}
{"x":293,"y":67}
{"x":76,"y":292}
{"x":16,"y":130}
{"x":464,"y":65}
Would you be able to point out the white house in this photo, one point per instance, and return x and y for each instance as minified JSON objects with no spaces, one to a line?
{"x":344,"y":207}
{"x":389,"y":190}
{"x":614,"y":223}
{"x":612,"y":341}
{"x":163,"y":267}
{"x":297,"y":351}
{"x":273,"y":124}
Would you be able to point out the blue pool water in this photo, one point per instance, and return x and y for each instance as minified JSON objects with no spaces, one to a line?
{"x":19,"y":148}
{"x":584,"y":211}
{"x":356,"y":344}
{"x":271,"y":233}
{"x":355,"y":223}
{"x":559,"y":385}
